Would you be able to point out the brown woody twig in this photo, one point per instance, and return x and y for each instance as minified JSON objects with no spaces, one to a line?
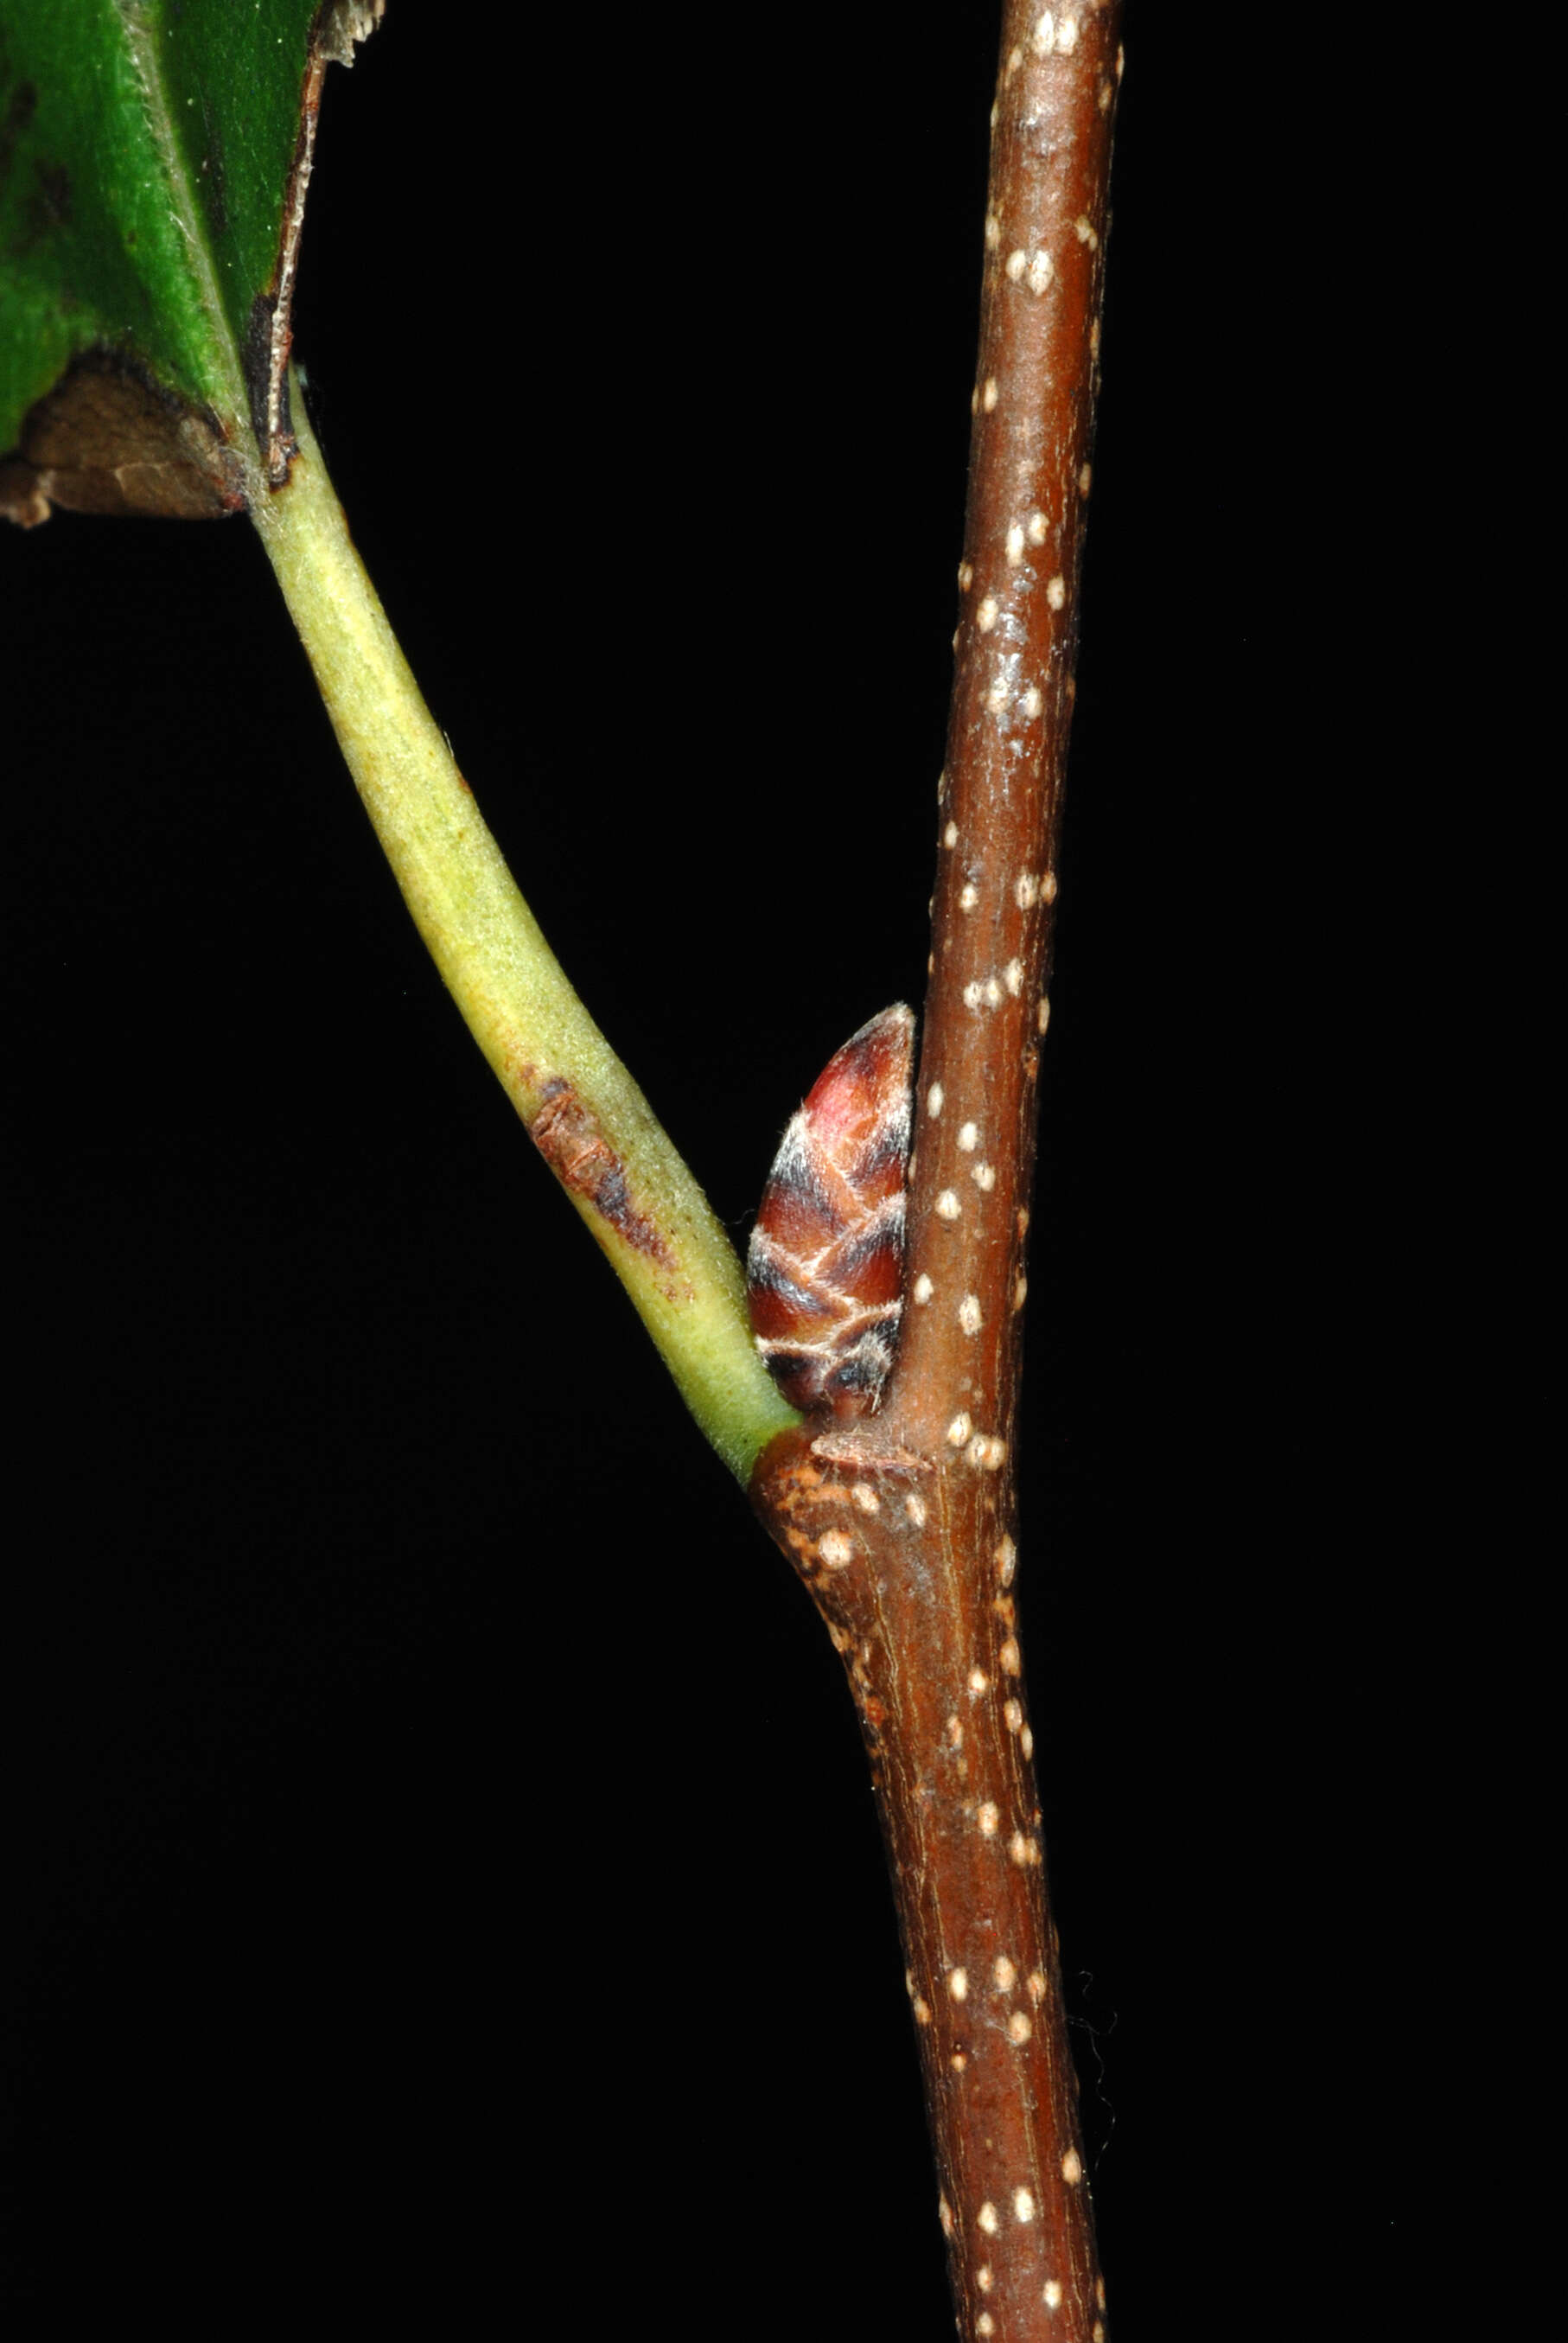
{"x":903,"y":1526}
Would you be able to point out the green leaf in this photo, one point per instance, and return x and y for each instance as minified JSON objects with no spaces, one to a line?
{"x":154,"y":157}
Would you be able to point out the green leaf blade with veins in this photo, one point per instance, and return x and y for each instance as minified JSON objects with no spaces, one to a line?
{"x":153,"y":155}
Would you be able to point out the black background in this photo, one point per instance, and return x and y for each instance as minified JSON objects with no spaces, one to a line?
{"x":447,"y":1864}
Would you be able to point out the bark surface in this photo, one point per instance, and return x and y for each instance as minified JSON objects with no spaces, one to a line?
{"x":903,"y":1526}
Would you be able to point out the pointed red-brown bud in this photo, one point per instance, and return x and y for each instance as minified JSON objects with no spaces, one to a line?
{"x":825,"y":1272}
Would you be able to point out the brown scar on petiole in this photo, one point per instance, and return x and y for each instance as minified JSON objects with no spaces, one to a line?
{"x":568,"y":1135}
